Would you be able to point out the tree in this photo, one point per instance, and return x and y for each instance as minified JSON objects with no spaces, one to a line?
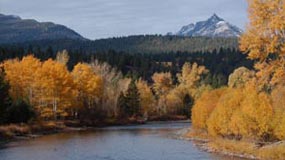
{"x":147,"y":99}
{"x":163,"y":83}
{"x":122,"y":105}
{"x":5,"y":100}
{"x":240,"y":77}
{"x":204,"y":106}
{"x":220,"y":118}
{"x":88,"y":84}
{"x":257,"y":112}
{"x":264,"y":41}
{"x":132,"y":96}
{"x":62,"y":57}
{"x":239,"y":113}
{"x":174,"y":102}
{"x":191,"y":75}
{"x":56,"y":90}
{"x":20,"y":112}
{"x":21,"y":77}
{"x":113,"y":84}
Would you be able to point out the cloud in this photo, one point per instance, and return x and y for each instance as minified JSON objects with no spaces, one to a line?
{"x":108,"y":18}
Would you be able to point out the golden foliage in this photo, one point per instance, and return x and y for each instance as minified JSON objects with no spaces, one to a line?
{"x":48,"y":86}
{"x":56,"y":90}
{"x":204,"y":106}
{"x":265,"y":33}
{"x":21,"y":77}
{"x":174,"y":101}
{"x":88,"y":84}
{"x":147,"y":99}
{"x":264,"y":40}
{"x":257,"y":112}
{"x":162,"y":83}
{"x":191,"y":75}
{"x":242,"y":113}
{"x":219,"y":121}
{"x":278,"y":122}
{"x":240,"y":77}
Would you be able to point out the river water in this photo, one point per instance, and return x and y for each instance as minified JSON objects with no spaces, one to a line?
{"x":152,"y":141}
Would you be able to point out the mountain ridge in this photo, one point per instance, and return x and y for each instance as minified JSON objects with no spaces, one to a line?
{"x":15,"y":29}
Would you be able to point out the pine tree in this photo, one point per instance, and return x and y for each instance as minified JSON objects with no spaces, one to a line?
{"x":133,"y":100}
{"x":5,"y":100}
{"x":122,"y":105}
{"x":129,"y":103}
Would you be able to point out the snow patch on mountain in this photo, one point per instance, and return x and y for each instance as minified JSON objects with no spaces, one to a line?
{"x":213,"y":27}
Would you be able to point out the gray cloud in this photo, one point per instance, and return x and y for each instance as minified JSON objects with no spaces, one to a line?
{"x":108,"y":18}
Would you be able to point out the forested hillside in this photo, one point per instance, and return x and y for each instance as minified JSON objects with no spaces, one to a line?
{"x":159,"y":44}
{"x":152,"y":44}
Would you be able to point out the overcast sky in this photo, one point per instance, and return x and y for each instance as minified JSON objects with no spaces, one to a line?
{"x":110,"y":18}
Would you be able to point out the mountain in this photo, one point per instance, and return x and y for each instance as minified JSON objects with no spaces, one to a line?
{"x":13,"y":29}
{"x":27,"y":34}
{"x":212,"y":27}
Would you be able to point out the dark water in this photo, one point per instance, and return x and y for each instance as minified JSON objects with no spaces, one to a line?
{"x":154,"y":141}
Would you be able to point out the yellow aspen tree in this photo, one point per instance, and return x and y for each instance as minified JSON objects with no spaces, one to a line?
{"x":204,"y":106}
{"x":20,"y":75}
{"x":265,"y":38}
{"x":62,"y":57}
{"x":56,"y":89}
{"x":240,"y":77}
{"x":162,"y":85}
{"x":190,"y":75}
{"x":174,"y":101}
{"x":88,"y":84}
{"x":228,"y":104}
{"x":257,"y":112}
{"x":147,"y":99}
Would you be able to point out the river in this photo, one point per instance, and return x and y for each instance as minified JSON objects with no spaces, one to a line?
{"x":152,"y":141}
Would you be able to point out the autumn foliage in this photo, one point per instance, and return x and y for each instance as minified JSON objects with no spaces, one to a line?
{"x":204,"y":106}
{"x":252,"y":106}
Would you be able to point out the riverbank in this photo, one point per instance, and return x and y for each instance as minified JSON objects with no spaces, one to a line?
{"x":25,"y":131}
{"x":22,"y":131}
{"x":246,"y":149}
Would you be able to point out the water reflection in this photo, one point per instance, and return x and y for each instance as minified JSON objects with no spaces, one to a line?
{"x":146,"y":142}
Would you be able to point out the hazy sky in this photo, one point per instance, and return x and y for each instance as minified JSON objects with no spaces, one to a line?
{"x":108,"y":18}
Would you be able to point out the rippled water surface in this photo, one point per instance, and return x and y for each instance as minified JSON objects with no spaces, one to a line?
{"x":153,"y":141}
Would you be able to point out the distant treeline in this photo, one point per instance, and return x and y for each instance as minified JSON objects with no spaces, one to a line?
{"x":152,"y":44}
{"x":220,"y":62}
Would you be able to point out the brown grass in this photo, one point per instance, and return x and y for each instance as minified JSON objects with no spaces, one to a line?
{"x":233,"y":147}
{"x":9,"y":131}
{"x":47,"y":127}
{"x":242,"y":148}
{"x":14,"y":130}
{"x":274,"y":151}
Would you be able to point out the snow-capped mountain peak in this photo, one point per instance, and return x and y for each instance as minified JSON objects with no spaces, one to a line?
{"x":212,"y":27}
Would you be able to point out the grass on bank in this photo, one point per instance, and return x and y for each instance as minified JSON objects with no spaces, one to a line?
{"x":241,"y":148}
{"x":13,"y":130}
